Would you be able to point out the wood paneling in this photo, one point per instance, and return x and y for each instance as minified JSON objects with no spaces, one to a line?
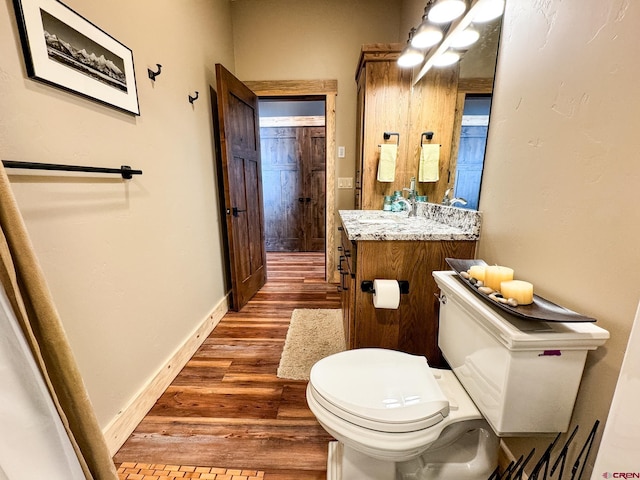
{"x":297,"y":121}
{"x":227,"y":408}
{"x":274,"y":88}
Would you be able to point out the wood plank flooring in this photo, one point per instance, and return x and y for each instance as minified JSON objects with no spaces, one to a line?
{"x":227,"y":408}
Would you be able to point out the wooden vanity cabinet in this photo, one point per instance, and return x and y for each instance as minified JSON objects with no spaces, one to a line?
{"x":387,"y":101}
{"x":346,"y":267}
{"x":413,"y":327}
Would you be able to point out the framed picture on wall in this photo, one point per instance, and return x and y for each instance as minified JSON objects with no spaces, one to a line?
{"x":64,"y":49}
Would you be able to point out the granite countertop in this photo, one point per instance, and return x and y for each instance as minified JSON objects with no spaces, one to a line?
{"x":433,"y":222}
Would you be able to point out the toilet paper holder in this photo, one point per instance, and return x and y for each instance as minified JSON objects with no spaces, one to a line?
{"x":367,"y":286}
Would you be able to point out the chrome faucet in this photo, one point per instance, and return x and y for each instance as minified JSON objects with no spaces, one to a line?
{"x":455,"y":201}
{"x":446,"y":200}
{"x":452,"y":202}
{"x":410,"y":204}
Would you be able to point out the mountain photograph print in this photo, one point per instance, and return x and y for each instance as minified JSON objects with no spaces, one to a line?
{"x":64,"y":49}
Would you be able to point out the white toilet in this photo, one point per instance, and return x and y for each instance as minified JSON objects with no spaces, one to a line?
{"x":395,"y":418}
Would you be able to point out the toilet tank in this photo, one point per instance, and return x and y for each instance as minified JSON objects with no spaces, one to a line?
{"x":523,"y":375}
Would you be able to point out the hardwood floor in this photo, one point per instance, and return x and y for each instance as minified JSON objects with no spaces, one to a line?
{"x":227,"y":408}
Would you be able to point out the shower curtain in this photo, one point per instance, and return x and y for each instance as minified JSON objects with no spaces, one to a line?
{"x":47,"y":406}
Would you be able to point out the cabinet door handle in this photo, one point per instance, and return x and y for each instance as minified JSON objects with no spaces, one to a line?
{"x":301,"y":199}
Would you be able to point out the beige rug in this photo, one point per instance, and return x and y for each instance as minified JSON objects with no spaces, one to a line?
{"x":313,"y":334}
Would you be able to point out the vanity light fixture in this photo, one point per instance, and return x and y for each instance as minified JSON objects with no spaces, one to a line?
{"x":410,"y":56}
{"x":459,"y":33}
{"x":436,"y":20}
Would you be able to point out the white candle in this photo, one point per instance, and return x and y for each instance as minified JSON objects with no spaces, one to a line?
{"x":494,"y":275}
{"x":477,"y":272}
{"x":520,"y":290}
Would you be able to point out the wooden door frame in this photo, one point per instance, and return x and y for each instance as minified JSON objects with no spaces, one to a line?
{"x":327,"y":89}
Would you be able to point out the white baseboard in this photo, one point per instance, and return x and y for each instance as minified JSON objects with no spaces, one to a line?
{"x":121,"y":427}
{"x":505,"y":457}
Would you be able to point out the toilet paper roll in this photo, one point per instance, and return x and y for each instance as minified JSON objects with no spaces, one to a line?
{"x":387,"y":294}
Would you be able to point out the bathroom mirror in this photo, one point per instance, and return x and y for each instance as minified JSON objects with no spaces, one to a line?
{"x":476,"y":79}
{"x":475,"y":91}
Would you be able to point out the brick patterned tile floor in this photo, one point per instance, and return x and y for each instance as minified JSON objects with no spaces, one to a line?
{"x":154,"y":471}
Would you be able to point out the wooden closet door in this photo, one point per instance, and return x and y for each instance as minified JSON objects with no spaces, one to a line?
{"x":293,"y":169}
{"x":283,"y":187}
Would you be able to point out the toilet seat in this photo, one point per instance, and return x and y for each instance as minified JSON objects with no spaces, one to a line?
{"x":379,"y":389}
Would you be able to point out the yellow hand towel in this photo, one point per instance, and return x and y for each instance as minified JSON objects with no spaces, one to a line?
{"x":429,"y":170}
{"x":387,"y":163}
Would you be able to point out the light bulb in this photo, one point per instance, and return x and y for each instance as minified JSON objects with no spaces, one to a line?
{"x":410,"y":57}
{"x":445,"y":11}
{"x":465,"y":38}
{"x":445,"y":59}
{"x":426,"y":36}
{"x":487,"y":10}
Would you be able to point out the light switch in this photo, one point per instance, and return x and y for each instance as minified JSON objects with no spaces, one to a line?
{"x":340,"y":152}
{"x":345,"y":182}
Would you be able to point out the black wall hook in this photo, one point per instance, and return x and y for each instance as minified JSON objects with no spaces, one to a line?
{"x":152,"y":74}
{"x":193,"y":99}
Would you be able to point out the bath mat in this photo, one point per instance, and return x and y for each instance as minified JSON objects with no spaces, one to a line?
{"x":313,"y":334}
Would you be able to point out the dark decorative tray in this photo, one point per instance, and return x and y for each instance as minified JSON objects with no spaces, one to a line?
{"x":540,"y":309}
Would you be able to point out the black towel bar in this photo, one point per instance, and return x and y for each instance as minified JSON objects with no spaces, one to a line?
{"x":428,"y":135}
{"x":125,"y":170}
{"x":388,"y":135}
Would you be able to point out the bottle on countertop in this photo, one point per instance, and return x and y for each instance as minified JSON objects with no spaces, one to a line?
{"x":395,"y":205}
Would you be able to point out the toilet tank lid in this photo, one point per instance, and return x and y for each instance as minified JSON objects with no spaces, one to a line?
{"x":381,"y":386}
{"x":516,"y":333}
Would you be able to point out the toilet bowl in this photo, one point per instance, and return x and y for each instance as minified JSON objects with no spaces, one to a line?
{"x":395,"y":418}
{"x":386,"y":408}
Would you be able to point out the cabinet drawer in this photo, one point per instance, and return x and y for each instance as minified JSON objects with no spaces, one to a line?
{"x":347,"y":253}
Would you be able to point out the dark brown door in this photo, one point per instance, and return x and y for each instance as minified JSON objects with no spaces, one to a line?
{"x":293,"y":166}
{"x":241,"y":172}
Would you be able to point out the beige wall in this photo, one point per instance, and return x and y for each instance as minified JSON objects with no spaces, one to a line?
{"x":559,"y":192}
{"x":134,"y":267}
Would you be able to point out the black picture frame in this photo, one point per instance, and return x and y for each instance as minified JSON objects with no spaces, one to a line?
{"x":64,"y":49}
